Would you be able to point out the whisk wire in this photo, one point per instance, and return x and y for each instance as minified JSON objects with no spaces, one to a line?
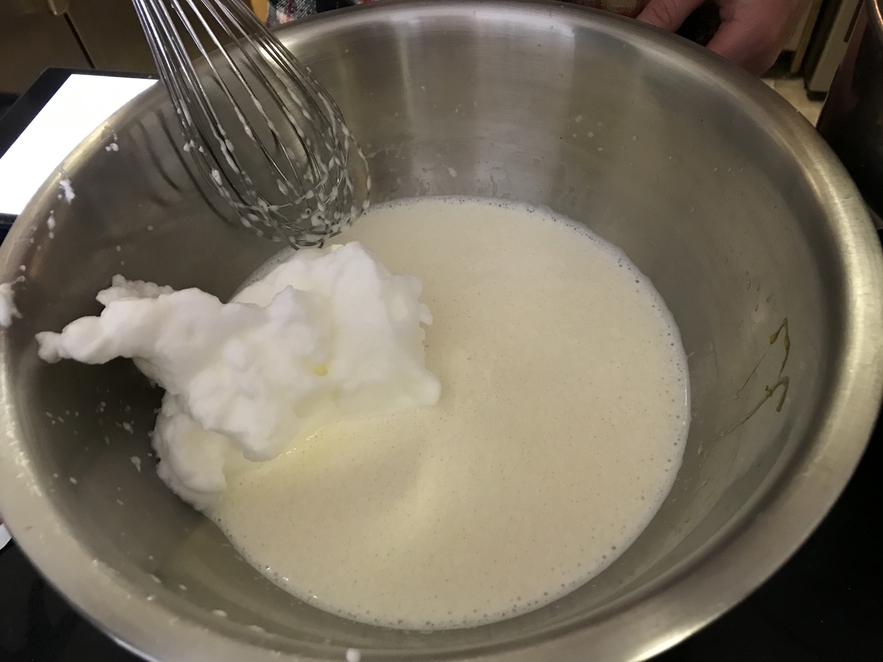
{"x":267,"y":138}
{"x":179,"y":75}
{"x":255,"y":69}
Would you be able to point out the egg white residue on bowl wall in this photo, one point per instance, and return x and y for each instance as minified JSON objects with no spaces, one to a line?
{"x":8,"y":311}
{"x":67,"y":190}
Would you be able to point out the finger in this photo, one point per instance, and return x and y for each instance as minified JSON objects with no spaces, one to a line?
{"x":668,"y":14}
{"x":753,"y":50}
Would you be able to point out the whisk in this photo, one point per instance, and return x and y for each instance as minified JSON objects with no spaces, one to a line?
{"x":258,"y":130}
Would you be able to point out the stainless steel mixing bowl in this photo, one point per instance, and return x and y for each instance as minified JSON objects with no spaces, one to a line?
{"x":718,"y":190}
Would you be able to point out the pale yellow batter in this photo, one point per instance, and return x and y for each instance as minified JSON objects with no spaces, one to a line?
{"x":560,"y":429}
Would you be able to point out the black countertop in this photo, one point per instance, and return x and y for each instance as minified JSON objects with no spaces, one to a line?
{"x":825,"y":605}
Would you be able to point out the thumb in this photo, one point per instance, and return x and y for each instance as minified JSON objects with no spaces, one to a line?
{"x":668,"y":14}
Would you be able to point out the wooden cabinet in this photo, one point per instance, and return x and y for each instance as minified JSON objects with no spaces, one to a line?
{"x":83,"y":34}
{"x":32,"y":41}
{"x":111,"y":35}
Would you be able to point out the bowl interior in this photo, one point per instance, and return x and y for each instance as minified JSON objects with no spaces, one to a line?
{"x":698,"y":173}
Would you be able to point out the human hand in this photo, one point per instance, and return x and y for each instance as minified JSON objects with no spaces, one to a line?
{"x":751,"y":34}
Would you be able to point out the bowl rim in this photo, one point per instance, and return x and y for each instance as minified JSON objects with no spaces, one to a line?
{"x":784,"y":517}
